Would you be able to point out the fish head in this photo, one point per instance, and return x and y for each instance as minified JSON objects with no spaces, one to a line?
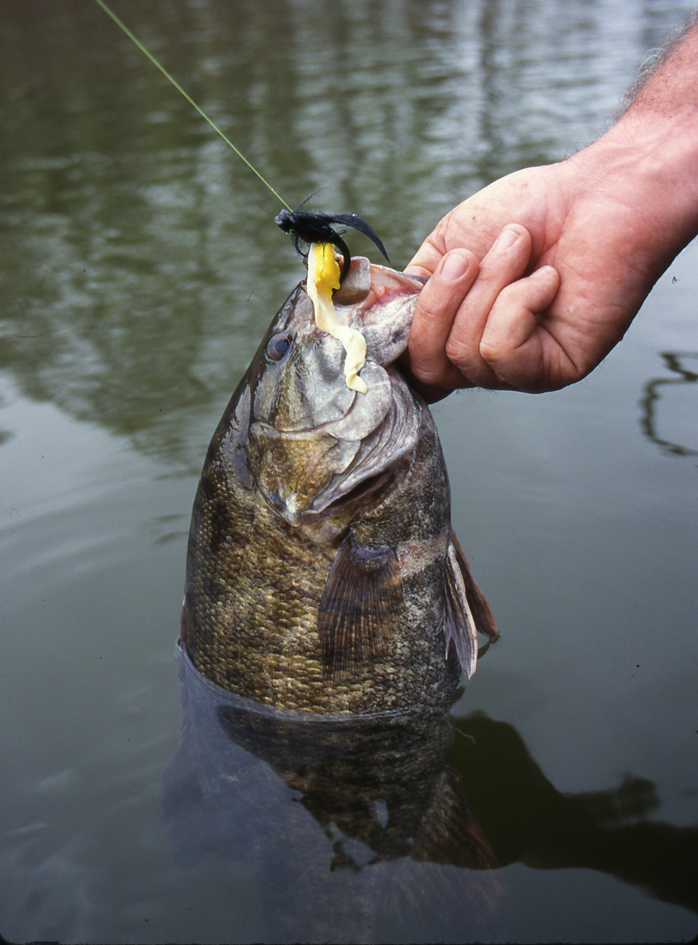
{"x":312,"y":440}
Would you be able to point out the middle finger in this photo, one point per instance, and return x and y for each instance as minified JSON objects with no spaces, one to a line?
{"x":504,"y":264}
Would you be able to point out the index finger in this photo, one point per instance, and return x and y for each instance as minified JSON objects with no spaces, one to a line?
{"x":426,"y":260}
{"x":436,"y":309}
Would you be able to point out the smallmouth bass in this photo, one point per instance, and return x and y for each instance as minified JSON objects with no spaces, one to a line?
{"x":322,"y":571}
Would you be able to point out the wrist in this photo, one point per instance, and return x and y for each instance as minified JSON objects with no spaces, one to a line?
{"x":648,"y":163}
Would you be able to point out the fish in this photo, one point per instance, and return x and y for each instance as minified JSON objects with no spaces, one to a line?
{"x":323,"y":573}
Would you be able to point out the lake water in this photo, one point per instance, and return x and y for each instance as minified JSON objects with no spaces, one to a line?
{"x":140,"y":266}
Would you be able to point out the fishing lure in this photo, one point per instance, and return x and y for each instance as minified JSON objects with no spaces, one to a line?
{"x":303,"y":226}
{"x":312,"y":226}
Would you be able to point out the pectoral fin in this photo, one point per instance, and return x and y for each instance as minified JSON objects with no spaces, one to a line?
{"x":465,"y":611}
{"x":360,"y":607}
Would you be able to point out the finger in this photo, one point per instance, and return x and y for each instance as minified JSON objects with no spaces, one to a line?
{"x":427,"y":258}
{"x":513,"y":343}
{"x":438,"y":303}
{"x":415,"y":270}
{"x":503,"y":265}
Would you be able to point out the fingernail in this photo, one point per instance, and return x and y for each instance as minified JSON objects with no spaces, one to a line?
{"x":506,"y":240}
{"x":455,"y":267}
{"x":539,"y":273}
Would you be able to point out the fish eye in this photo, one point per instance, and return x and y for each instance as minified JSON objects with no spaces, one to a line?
{"x":277,"y":346}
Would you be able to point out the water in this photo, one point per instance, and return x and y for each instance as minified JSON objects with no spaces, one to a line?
{"x":139,"y":268}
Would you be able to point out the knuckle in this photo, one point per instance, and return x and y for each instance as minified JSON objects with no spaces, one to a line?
{"x":457,"y":353}
{"x":468,"y":364}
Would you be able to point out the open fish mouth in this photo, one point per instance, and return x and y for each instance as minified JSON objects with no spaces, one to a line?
{"x":318,"y":445}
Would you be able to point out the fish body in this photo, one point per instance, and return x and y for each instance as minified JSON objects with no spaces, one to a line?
{"x":322,"y":571}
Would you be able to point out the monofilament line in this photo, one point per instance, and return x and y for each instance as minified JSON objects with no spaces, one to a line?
{"x":188,"y":97}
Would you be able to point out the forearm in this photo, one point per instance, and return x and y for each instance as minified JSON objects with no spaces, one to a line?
{"x":667,"y":82}
{"x":649,"y":159}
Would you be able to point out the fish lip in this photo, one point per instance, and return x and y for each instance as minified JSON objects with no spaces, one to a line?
{"x":387,"y":284}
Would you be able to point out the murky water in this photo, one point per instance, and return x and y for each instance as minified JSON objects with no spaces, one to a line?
{"x":139,"y":268}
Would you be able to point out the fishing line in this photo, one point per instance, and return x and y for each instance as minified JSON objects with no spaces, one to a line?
{"x":191,"y":101}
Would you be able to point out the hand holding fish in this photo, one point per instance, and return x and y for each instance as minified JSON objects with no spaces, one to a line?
{"x":535,"y":278}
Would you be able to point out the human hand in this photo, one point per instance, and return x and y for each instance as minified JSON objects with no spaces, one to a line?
{"x":533,"y":279}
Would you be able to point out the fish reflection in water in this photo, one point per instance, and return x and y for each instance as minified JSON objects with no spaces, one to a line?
{"x":355,"y":826}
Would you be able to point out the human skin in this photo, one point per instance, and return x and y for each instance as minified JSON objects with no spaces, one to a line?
{"x":535,"y":278}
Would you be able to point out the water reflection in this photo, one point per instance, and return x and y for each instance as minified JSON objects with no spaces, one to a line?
{"x":527,"y":820}
{"x":391,"y":828}
{"x":682,"y":366}
{"x":356,"y":827}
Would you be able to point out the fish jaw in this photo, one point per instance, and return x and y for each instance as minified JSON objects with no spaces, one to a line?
{"x":309,"y":474}
{"x":312,"y":440}
{"x":292,"y":469}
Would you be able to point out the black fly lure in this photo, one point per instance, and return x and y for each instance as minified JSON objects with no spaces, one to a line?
{"x":312,"y":226}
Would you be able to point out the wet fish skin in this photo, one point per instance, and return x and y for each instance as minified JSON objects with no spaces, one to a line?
{"x":321,"y":570}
